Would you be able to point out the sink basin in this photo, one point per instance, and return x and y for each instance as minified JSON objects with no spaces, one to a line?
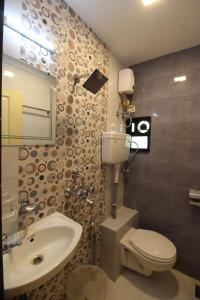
{"x":46,"y":248}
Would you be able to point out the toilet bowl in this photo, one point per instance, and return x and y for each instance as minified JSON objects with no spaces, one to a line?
{"x":146,"y":251}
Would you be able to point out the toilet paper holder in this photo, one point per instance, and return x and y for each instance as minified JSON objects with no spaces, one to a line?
{"x":194,"y":195}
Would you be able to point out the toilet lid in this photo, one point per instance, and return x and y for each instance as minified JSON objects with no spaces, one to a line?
{"x":153,"y":245}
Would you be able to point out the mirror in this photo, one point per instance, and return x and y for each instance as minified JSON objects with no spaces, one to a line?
{"x":28,"y":104}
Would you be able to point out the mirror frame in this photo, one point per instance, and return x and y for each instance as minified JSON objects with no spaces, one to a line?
{"x":17,"y":140}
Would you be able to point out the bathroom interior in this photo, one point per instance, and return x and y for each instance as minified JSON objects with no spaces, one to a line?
{"x":100,"y":149}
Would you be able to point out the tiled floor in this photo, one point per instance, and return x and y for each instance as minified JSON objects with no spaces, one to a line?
{"x":171,"y":285}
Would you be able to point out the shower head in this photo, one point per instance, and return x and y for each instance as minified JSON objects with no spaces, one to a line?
{"x":94,"y":83}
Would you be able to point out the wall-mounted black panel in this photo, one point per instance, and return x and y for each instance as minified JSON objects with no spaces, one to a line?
{"x":140,"y":132}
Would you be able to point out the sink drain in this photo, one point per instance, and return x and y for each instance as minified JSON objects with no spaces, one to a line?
{"x":37,"y":260}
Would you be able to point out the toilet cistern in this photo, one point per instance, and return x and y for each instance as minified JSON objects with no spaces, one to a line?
{"x":115,"y":147}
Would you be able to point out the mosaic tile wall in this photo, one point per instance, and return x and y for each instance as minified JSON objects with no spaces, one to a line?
{"x":46,"y":171}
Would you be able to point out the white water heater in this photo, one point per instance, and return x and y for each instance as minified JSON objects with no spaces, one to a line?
{"x":126,"y":81}
{"x":115,"y":147}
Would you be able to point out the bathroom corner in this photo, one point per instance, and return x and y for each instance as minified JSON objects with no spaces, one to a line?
{"x":100,"y":163}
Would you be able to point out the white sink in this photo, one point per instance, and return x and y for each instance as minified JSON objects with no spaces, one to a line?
{"x":46,"y":248}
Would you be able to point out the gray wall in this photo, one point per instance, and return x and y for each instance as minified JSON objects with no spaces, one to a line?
{"x":159,"y":182}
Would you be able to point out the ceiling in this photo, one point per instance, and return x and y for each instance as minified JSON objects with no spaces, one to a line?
{"x":136,"y":33}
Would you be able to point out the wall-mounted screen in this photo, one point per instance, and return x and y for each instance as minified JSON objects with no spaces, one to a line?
{"x":140,"y":132}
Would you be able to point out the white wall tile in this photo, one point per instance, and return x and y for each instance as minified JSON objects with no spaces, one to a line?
{"x":9,"y":167}
{"x":10,"y":185}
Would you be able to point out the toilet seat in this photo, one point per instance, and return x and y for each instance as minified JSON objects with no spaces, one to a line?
{"x":146,"y":251}
{"x":153,"y":246}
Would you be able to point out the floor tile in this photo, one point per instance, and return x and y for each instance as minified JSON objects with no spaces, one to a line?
{"x":171,"y":285}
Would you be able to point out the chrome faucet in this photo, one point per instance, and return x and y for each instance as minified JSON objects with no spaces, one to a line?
{"x":76,"y":174}
{"x":6,"y":246}
{"x":27,"y":208}
{"x":81,"y":191}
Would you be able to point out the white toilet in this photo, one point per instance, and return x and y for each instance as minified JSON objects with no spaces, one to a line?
{"x":146,"y":251}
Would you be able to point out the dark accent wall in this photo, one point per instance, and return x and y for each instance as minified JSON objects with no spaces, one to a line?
{"x":159,"y":182}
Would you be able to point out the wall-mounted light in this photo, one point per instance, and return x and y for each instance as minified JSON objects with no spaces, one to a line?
{"x":180,"y":78}
{"x":14,"y":25}
{"x":155,"y":115}
{"x":149,"y":2}
{"x":8,"y":74}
